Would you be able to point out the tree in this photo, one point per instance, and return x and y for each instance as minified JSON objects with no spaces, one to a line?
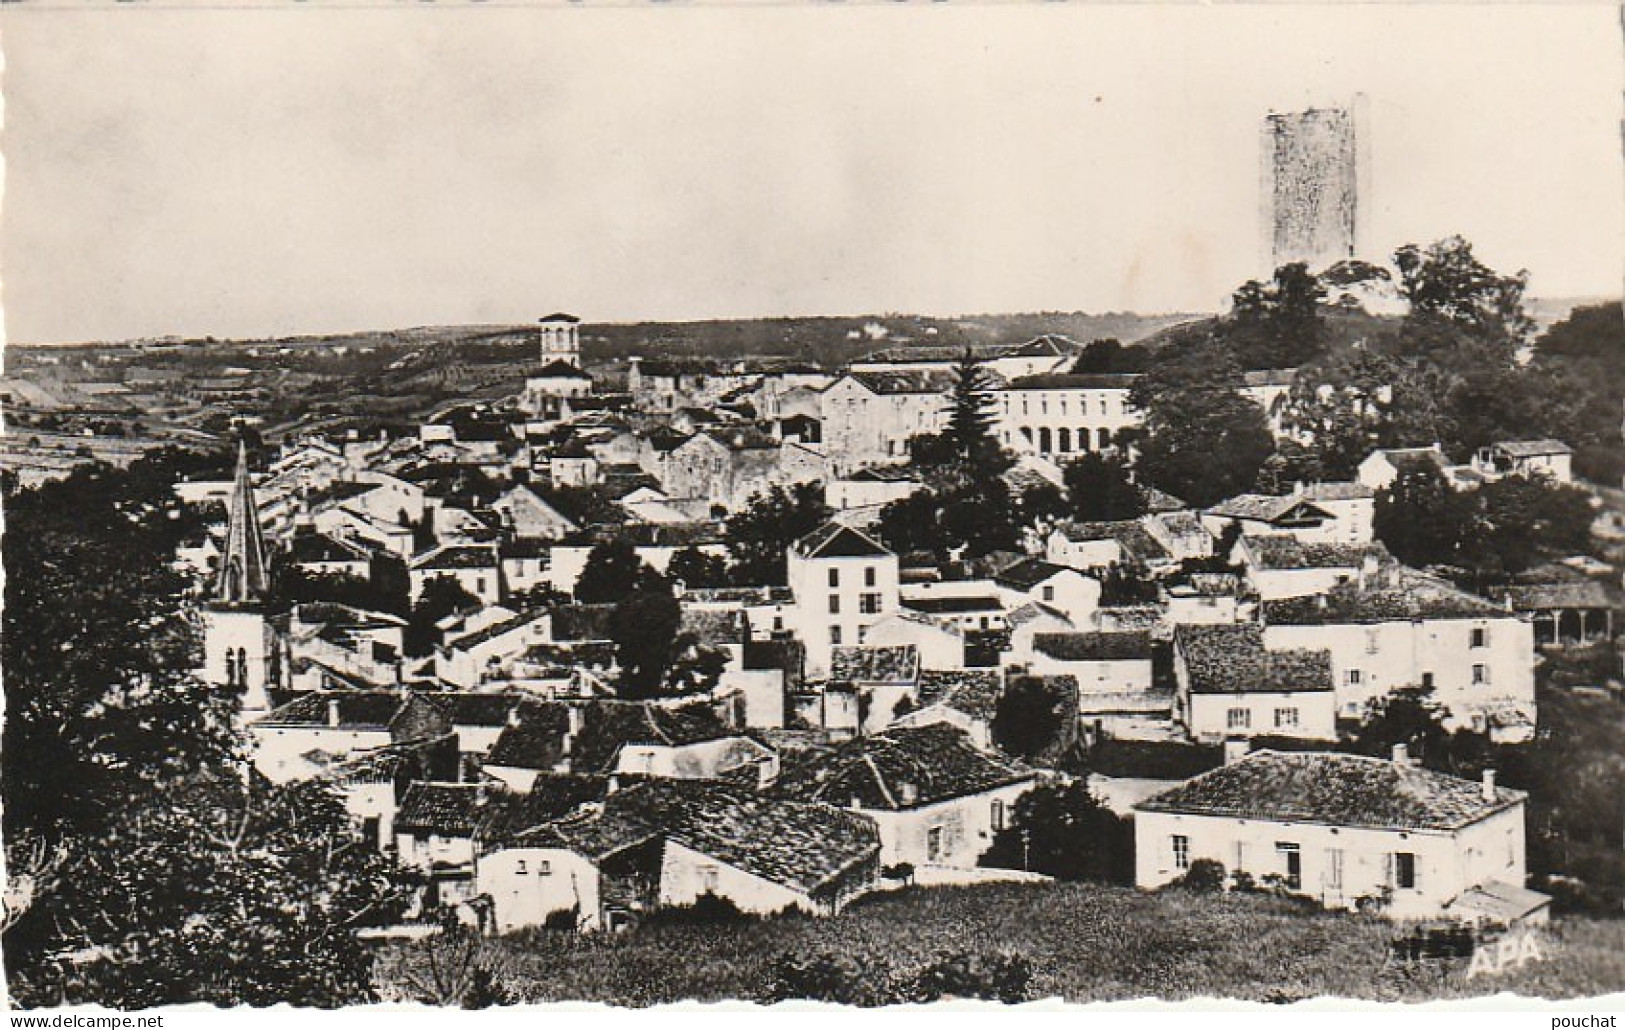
{"x":441,"y":596}
{"x":1523,"y":520}
{"x":1411,"y":716}
{"x":971,"y":417}
{"x":1421,"y":520}
{"x":99,"y":651}
{"x":1291,"y":464}
{"x":1585,"y":355}
{"x":609,"y":573}
{"x":1065,"y":832}
{"x":697,"y":569}
{"x":913,"y":523}
{"x":215,"y":889}
{"x":1203,"y":443}
{"x":1448,"y":287}
{"x":1100,"y":489}
{"x":1030,"y":717}
{"x":1277,"y":324}
{"x":975,"y":518}
{"x":644,"y":629}
{"x":759,"y":535}
{"x":1106,"y":356}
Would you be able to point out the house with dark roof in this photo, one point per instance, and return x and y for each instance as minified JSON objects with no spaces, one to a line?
{"x":1550,"y":459}
{"x":843,"y":581}
{"x":1346,"y":830}
{"x":964,"y":699}
{"x":469,"y":659}
{"x":1059,"y":586}
{"x":474,"y":567}
{"x":663,"y":843}
{"x":936,"y":797}
{"x":873,"y":487}
{"x":1228,"y":684}
{"x":1095,"y":545}
{"x":1103,"y":663}
{"x":1061,"y":415}
{"x":1413,"y":630}
{"x":1280,"y":565}
{"x":1325,"y":513}
{"x":304,"y":737}
{"x":867,"y":417}
{"x":939,"y":643}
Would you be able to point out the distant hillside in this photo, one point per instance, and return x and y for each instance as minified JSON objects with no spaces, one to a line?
{"x":834,"y":340}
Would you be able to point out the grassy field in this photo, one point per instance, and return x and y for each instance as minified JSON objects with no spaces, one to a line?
{"x":1080,"y":942}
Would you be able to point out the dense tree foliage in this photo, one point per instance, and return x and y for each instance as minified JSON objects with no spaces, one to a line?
{"x":1108,"y":355}
{"x":971,"y":417}
{"x":1203,"y":443}
{"x":698,"y":569}
{"x":1100,"y":489}
{"x":644,"y":629}
{"x":1065,"y":832}
{"x":1493,"y":533}
{"x":609,"y":574}
{"x":441,"y":596}
{"x":1031,"y":716}
{"x":99,"y":650}
{"x":759,"y":535}
{"x":146,"y":863}
{"x":964,"y":519}
{"x":1585,"y":356}
{"x":1277,"y":324}
{"x":212,"y":889}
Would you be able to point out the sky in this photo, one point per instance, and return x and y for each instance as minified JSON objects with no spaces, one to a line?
{"x":244,"y":172}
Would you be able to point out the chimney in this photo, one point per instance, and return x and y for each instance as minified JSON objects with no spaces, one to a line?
{"x":1235,"y":749}
{"x":1402,"y":754}
{"x":513,"y":715}
{"x":908,"y":794}
{"x":1489,"y":784}
{"x":612,"y":784}
{"x":333,"y":712}
{"x":1320,"y":601}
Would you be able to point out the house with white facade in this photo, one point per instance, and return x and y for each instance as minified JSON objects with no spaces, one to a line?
{"x":1102,"y":663}
{"x":872,"y":487}
{"x":1417,"y":631}
{"x":1228,"y":684}
{"x":940,"y":644}
{"x":1061,"y":415}
{"x":1346,"y":830}
{"x":843,"y":581}
{"x":868,"y":418}
{"x":936,"y":797}
{"x":1061,"y":587}
{"x":474,"y":567}
{"x":1282,"y":566}
{"x":1325,"y":513}
{"x":1549,"y":459}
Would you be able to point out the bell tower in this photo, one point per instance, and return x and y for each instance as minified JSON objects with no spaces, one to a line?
{"x":236,"y":637}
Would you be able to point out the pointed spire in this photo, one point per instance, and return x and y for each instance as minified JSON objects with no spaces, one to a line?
{"x":243,"y":575}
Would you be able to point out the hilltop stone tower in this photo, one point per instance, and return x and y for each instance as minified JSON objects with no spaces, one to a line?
{"x":1311,"y":176}
{"x":237,"y":645}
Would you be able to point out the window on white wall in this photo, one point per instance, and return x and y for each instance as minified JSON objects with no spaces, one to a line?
{"x":1238,"y":719}
{"x":1481,"y":675}
{"x":1182,"y":851}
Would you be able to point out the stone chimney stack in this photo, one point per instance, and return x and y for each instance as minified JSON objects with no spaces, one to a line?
{"x":1236,"y":748}
{"x":1489,"y":784}
{"x":333,"y":718}
{"x":1402,"y":754}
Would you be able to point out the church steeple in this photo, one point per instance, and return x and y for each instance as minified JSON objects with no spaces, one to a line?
{"x":243,"y":575}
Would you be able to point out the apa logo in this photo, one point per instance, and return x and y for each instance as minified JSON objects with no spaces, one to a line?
{"x":1509,"y":953}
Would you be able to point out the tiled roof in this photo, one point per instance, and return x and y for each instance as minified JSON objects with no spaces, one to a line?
{"x":885,"y":474}
{"x":1269,"y":376}
{"x":835,"y":540}
{"x":319,"y":547}
{"x":457,"y":556}
{"x":558,"y":369}
{"x":1028,"y":573}
{"x":486,"y":710}
{"x":1129,"y":534}
{"x":444,"y":809}
{"x":1075,"y":381}
{"x":1093,"y":647}
{"x":551,"y":796}
{"x":943,"y":605}
{"x":1231,"y":659}
{"x":1535,"y":597}
{"x":606,"y":727}
{"x":1339,"y":491}
{"x":801,"y":845}
{"x":923,"y":381}
{"x":1046,"y":345}
{"x":1414,"y":459}
{"x":470,"y":641}
{"x":1533,"y":448}
{"x":927,"y":763}
{"x":865,"y":663}
{"x":1336,"y":790}
{"x":1263,"y":507}
{"x":1412,"y":595}
{"x":663,"y":534}
{"x":371,"y":709}
{"x":972,"y":691}
{"x":582,"y":621}
{"x":1033,"y":611}
{"x":1283,"y":551}
{"x":712,"y":627}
